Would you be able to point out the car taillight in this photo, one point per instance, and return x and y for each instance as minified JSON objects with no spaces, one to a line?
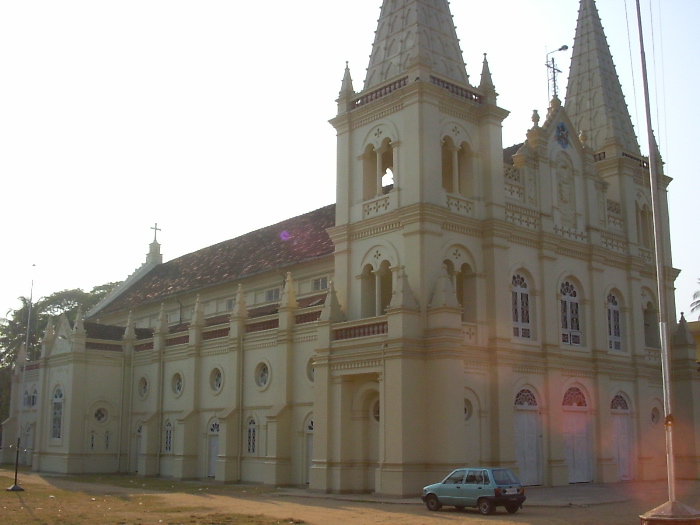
{"x":497,"y":492}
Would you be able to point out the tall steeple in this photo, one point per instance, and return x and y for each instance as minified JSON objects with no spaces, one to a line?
{"x":415,"y":34}
{"x":594,"y":99}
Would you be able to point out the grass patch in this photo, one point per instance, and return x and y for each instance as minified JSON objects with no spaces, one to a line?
{"x":43,"y":503}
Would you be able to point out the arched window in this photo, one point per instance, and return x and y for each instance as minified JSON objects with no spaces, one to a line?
{"x":520,"y":305}
{"x":107,"y":436}
{"x":651,"y":326}
{"x":168,"y":436}
{"x":464,"y":282}
{"x":377,"y":288}
{"x":619,"y":403}
{"x":35,"y":395}
{"x":525,"y":398}
{"x":378,"y":169}
{"x":214,"y":427}
{"x":570,"y":316}
{"x":57,"y":414}
{"x":252,"y":436}
{"x":644,"y":217}
{"x":574,"y":397}
{"x":614,"y":324}
{"x":25,"y":398}
{"x":457,"y":168}
{"x":92,"y":440}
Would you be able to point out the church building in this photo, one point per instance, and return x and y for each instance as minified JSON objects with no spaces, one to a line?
{"x":459,"y":304}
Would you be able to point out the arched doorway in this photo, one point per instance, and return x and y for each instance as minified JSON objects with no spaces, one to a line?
{"x":577,"y":436}
{"x":528,"y":438}
{"x":622,"y":438}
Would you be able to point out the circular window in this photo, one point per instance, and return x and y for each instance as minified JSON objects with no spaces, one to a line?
{"x":655,"y":416}
{"x":262,"y":375}
{"x":177,"y":384}
{"x":143,"y":387}
{"x":310,"y":370}
{"x":375,"y":410}
{"x":216,"y":379}
{"x":100,"y":415}
{"x":468,"y":410}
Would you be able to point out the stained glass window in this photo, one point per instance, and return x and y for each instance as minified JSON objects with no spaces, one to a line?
{"x":619,"y":403}
{"x":574,"y":398}
{"x":526,"y":398}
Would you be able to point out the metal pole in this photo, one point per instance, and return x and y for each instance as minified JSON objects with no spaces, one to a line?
{"x":660,"y":278}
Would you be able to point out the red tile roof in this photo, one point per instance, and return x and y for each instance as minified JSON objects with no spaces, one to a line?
{"x":274,"y":247}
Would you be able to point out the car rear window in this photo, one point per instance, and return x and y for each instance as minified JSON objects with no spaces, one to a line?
{"x":503,"y":476}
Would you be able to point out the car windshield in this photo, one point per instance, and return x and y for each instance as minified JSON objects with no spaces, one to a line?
{"x":503,"y":476}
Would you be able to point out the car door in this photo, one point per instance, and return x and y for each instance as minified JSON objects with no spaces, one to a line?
{"x":452,"y":488}
{"x":473,"y":487}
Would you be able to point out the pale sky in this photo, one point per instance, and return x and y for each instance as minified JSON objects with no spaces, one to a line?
{"x":211,"y":117}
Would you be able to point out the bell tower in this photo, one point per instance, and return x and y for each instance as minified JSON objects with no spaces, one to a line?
{"x":416,"y":144}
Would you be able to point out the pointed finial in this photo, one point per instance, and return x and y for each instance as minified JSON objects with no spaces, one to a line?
{"x":582,"y":137}
{"x":162,"y":323}
{"x":239,"y":307}
{"x":78,"y":327}
{"x":535,"y":118}
{"x":130,"y":330}
{"x":445,"y":294}
{"x":486,"y":83}
{"x":198,"y":313}
{"x":48,"y":333}
{"x":331,"y":307}
{"x":288,"y":299}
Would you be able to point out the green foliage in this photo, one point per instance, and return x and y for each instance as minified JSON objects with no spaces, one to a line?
{"x":13,"y":328}
{"x":695,"y":305}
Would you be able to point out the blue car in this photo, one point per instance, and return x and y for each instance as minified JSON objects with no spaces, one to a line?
{"x":481,"y":487}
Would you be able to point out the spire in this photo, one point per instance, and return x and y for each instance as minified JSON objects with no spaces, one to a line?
{"x":486,"y":84}
{"x":129,"y":330}
{"x":415,"y":33}
{"x":445,"y":295}
{"x":594,"y":99}
{"x":288,"y":298}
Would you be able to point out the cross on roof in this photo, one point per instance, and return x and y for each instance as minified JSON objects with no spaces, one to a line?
{"x":155,"y":229}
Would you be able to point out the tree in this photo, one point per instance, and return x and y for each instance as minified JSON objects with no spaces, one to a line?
{"x":695,"y":305}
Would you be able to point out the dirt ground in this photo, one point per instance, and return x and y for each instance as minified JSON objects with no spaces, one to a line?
{"x":50,"y":499}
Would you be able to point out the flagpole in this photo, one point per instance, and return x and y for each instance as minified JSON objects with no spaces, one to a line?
{"x":671,"y":509}
{"x":15,"y":487}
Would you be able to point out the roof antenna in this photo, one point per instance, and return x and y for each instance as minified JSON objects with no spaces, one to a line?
{"x":552,"y":73}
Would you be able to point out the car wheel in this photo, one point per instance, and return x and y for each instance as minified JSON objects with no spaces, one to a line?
{"x":512,"y":508}
{"x":432,"y":502}
{"x":485,"y":506}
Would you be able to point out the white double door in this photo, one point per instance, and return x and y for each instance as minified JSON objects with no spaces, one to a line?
{"x":577,"y":440}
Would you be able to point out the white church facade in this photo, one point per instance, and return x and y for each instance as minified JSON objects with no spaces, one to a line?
{"x":485,"y":306}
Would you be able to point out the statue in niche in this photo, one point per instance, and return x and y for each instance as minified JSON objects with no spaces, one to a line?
{"x":565,"y":192}
{"x":530,"y":186}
